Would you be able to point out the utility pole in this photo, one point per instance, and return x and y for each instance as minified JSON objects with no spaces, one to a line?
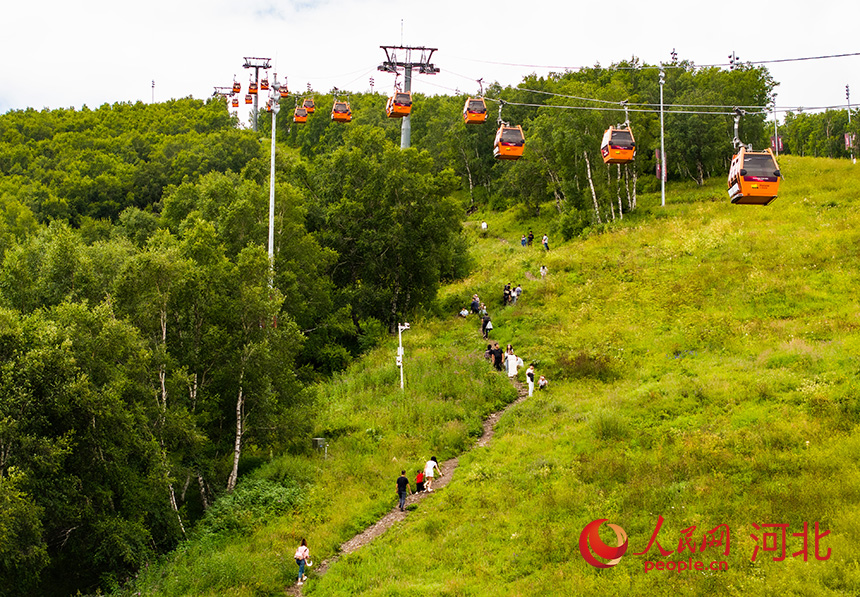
{"x":153,"y":97}
{"x":848,"y":98}
{"x":256,"y":64}
{"x":775,"y":129}
{"x":275,"y":102}
{"x":662,"y":145}
{"x":424,"y":66}
{"x":734,"y":61}
{"x":399,"y":358}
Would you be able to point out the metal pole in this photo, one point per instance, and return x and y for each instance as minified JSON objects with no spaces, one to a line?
{"x":257,"y":81}
{"x":275,"y":108}
{"x":848,"y":98}
{"x":400,"y":352}
{"x":775,"y":131}
{"x":406,"y":125}
{"x":662,"y":145}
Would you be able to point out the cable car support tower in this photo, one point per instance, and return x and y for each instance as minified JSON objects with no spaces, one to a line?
{"x":424,"y":67}
{"x":256,"y":64}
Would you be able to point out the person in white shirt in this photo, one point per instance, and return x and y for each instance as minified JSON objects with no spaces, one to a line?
{"x":430,"y":470}
{"x":512,"y":362}
{"x":530,"y":377}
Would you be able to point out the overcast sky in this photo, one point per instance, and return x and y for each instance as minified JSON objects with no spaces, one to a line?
{"x":67,"y":54}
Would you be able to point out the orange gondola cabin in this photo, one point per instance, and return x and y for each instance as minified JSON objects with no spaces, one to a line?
{"x":509,"y":143}
{"x":249,"y":98}
{"x":399,"y":104}
{"x":252,"y":88}
{"x":300,"y":115}
{"x":475,"y":111}
{"x":285,"y":93}
{"x":340,"y":112}
{"x":309,"y":105}
{"x":237,"y":87}
{"x":235,"y":102}
{"x":264,"y":84}
{"x":753,"y":177}
{"x":618,"y":146}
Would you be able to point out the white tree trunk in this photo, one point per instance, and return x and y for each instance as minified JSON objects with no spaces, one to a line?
{"x":618,"y":188}
{"x":237,"y":446}
{"x":591,"y":184}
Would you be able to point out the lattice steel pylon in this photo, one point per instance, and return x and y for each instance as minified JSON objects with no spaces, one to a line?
{"x":392,"y":64}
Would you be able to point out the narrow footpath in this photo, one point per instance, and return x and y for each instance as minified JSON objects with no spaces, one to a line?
{"x":448,"y":467}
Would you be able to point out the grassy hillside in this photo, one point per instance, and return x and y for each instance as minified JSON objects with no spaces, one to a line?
{"x":374,"y":429}
{"x":703,"y":367}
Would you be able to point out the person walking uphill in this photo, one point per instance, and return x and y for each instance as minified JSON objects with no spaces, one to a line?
{"x":303,"y":554}
{"x":430,"y":469}
{"x":402,"y":489}
{"x":545,"y":242}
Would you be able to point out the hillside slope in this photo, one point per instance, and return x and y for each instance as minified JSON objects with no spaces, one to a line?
{"x":703,"y":368}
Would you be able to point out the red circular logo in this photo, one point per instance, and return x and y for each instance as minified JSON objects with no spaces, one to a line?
{"x":590,"y":544}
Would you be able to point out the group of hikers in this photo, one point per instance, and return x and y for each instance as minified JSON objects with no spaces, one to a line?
{"x":423,"y":482}
{"x":506,"y":360}
{"x":527,"y":240}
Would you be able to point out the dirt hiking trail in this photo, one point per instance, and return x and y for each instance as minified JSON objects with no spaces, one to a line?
{"x":449,"y":468}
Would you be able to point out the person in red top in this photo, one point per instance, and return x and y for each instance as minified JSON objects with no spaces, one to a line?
{"x":419,"y":481}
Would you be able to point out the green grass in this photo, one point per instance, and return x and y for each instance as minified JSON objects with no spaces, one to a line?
{"x":703,"y":366}
{"x":693,"y":351}
{"x":374,"y":431}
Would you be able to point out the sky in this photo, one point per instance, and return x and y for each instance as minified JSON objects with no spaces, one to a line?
{"x":91,"y":52}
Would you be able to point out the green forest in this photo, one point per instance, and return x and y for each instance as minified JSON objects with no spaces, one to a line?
{"x":152,"y":357}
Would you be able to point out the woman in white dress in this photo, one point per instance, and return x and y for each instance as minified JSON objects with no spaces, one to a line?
{"x":511,"y":362}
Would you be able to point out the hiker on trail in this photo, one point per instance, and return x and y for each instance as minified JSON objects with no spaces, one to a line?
{"x":303,"y":554}
{"x":511,"y":361}
{"x":543,"y":272}
{"x":530,"y":377}
{"x":531,"y":237}
{"x":498,"y":357}
{"x":523,"y":240}
{"x":402,"y":489}
{"x":419,"y":481}
{"x":483,"y":310}
{"x":464,"y":312}
{"x":486,"y":326}
{"x":488,"y":354}
{"x":476,"y":303}
{"x":545,"y":242}
{"x":430,"y":469}
{"x":506,"y":295}
{"x":542,"y":383}
{"x":517,"y":291}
